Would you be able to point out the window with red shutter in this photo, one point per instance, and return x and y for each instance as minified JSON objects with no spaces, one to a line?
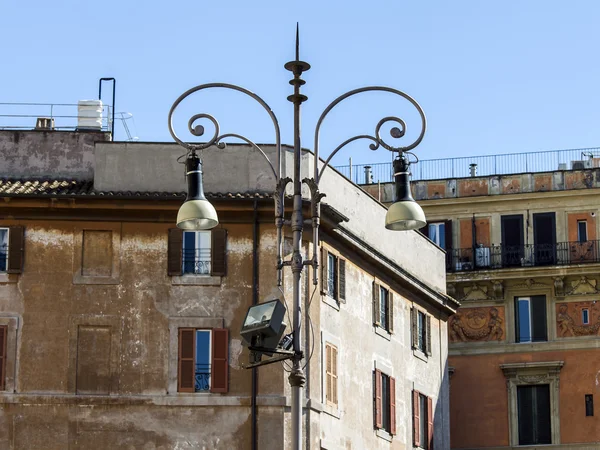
{"x":392,"y":405}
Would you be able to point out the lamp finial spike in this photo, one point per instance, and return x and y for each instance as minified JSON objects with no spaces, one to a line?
{"x":297,"y":41}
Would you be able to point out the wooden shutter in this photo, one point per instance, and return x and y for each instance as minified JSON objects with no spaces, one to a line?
{"x":414,"y":327}
{"x":220,"y":360}
{"x":3,"y":330}
{"x":392,"y":405}
{"x":376,"y":313}
{"x":175,"y":252}
{"x":334,"y":376}
{"x":324,"y":265}
{"x":429,"y":423}
{"x":378,"y":402}
{"x":16,"y":248}
{"x":428,"y":333}
{"x":328,"y":379}
{"x":186,"y":378}
{"x":342,"y":280}
{"x":218,"y":252}
{"x":448,"y":234}
{"x":416,"y":420}
{"x":390,"y":312}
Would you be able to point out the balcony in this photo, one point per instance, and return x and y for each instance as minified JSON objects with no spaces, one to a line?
{"x":501,"y":257}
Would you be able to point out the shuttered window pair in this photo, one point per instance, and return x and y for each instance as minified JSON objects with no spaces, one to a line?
{"x":197,"y":253}
{"x":422,"y":421}
{"x":385,"y":402}
{"x":331,"y":374}
{"x":421,"y":330}
{"x":383,"y":307}
{"x":203,"y":362}
{"x":333,"y":276}
{"x":12,"y":246}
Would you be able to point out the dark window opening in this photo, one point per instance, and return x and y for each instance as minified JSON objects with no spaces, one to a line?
{"x":589,"y":405}
{"x":582,"y":231}
{"x":530,"y":318}
{"x":512,"y":240}
{"x":534,"y":414}
{"x":544,"y":238}
{"x":585,"y":316}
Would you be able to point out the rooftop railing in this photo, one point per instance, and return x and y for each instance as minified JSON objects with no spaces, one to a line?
{"x":63,"y":116}
{"x":486,"y":165}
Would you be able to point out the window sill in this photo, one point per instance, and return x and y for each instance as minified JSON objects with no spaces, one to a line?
{"x":196,"y":280}
{"x":8,"y":277}
{"x":383,"y":332}
{"x":331,"y":410}
{"x":384,"y":435}
{"x":331,"y":302}
{"x":419,"y":354}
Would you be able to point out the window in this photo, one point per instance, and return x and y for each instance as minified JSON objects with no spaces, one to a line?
{"x":421,"y":331}
{"x":585,"y":316}
{"x":196,"y":252}
{"x":422,"y":421}
{"x":437,"y":234}
{"x":582,"y":231}
{"x":589,"y":405}
{"x":203,"y":360}
{"x":534,"y":414}
{"x":383,"y":307}
{"x":385,"y":402}
{"x":530,"y":315}
{"x":11,"y":249}
{"x":333,"y":275}
{"x":331,"y":377}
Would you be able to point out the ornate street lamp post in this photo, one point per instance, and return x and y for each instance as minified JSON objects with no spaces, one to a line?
{"x":197,"y":213}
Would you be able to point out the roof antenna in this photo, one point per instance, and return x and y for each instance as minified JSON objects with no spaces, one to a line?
{"x":297,"y":42}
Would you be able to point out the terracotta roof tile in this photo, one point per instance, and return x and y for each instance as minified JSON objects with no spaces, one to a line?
{"x":76,"y":188}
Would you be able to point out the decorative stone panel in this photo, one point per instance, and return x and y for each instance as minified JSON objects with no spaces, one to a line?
{"x":477,"y":324}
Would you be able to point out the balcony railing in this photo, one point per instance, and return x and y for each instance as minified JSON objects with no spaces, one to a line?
{"x":196,"y":261}
{"x":503,"y":256}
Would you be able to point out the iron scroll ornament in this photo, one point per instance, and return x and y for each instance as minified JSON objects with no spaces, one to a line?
{"x":198,"y":130}
{"x":395,"y":132}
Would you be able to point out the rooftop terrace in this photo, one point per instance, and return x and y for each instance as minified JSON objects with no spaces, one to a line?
{"x":486,"y":165}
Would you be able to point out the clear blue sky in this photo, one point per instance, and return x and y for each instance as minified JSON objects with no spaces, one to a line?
{"x":492,"y":76}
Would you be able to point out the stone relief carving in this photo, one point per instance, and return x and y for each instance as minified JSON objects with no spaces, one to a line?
{"x":477,"y":324}
{"x":475,"y":292}
{"x":498,"y":289}
{"x":533,"y":379}
{"x":559,"y":286}
{"x":530,"y":283}
{"x":583,"y":286}
{"x":567,"y":326}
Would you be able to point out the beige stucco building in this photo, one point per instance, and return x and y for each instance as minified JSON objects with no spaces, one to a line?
{"x":121,"y":332}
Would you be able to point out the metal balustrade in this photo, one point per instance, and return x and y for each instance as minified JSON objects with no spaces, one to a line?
{"x":505,"y":256}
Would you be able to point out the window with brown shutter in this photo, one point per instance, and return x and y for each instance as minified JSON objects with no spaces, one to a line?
{"x":376,"y":306}
{"x":342,"y":279}
{"x":416,"y":420}
{"x":16,"y":249}
{"x":175,"y":252}
{"x":378,"y":402}
{"x":324,"y":264}
{"x":428,"y":335}
{"x":220,"y":360}
{"x":414,"y":328}
{"x":392,"y":405}
{"x":219,"y":252}
{"x":203,"y":360}
{"x":430,"y":423}
{"x":3,"y":330}
{"x":390,"y":312}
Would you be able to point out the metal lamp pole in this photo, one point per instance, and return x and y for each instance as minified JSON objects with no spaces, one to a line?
{"x":297,"y":378}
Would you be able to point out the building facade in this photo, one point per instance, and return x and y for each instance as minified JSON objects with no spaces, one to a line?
{"x":522,"y":258}
{"x":121,"y":331}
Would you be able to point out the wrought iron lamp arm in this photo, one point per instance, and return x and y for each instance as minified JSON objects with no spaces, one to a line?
{"x":199,"y":130}
{"x":396,"y":132}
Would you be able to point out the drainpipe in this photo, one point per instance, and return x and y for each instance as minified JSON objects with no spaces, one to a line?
{"x":253,"y":406}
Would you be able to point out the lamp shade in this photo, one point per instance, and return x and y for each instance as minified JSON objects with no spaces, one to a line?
{"x":404,"y":214}
{"x":196,"y":213}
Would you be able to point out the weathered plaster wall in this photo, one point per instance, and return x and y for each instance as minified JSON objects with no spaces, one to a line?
{"x":48,"y":154}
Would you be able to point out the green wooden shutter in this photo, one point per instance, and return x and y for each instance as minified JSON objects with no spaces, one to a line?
{"x":218,"y":249}
{"x":220,"y":360}
{"x":16,"y":249}
{"x":175,"y":252}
